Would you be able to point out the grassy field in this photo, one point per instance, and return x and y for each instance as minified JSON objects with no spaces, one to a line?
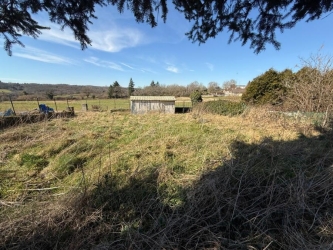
{"x":104,"y":104}
{"x":4,"y":91}
{"x":60,"y":105}
{"x":185,"y":181}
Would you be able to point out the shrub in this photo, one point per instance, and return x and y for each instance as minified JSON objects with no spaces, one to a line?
{"x":268,"y":88}
{"x":312,"y":87}
{"x":223,"y":107}
{"x":196,"y":96}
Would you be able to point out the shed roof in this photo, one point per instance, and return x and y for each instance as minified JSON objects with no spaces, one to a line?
{"x":153,"y":98}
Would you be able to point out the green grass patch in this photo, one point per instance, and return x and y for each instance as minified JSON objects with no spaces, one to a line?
{"x":32,"y":161}
{"x":68,"y":163}
{"x":223,"y":107}
{"x":60,"y":105}
{"x":5,"y":91}
{"x":183,"y":104}
{"x":185,"y":181}
{"x":102,"y":104}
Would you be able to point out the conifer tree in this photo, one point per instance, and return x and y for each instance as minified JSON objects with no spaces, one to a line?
{"x":152,"y":84}
{"x":130,"y":87}
{"x":249,"y":21}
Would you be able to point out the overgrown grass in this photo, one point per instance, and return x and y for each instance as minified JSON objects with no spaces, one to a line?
{"x":103,"y":104}
{"x":60,"y":105}
{"x":5,"y":91}
{"x":186,"y":181}
{"x":224,"y":107}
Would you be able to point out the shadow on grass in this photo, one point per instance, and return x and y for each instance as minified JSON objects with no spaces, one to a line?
{"x":270,"y":195}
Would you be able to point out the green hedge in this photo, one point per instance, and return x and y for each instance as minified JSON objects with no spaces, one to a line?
{"x":223,"y":107}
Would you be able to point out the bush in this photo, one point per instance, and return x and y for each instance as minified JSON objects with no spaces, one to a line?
{"x":196,"y":96}
{"x":268,"y":88}
{"x":223,"y":107}
{"x":312,"y":87}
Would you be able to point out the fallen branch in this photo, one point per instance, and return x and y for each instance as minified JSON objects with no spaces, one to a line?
{"x":34,"y":189}
{"x":9,"y":203}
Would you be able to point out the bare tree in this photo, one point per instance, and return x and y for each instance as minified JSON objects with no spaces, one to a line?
{"x":231,"y":84}
{"x":176,"y":90}
{"x":195,"y":86}
{"x":87,"y":91}
{"x":312,"y":90}
{"x":213,"y":87}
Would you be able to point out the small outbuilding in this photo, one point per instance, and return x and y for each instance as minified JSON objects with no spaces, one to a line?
{"x":146,"y":104}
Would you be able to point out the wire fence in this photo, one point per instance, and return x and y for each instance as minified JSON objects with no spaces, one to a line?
{"x":24,"y":107}
{"x":20,"y":107}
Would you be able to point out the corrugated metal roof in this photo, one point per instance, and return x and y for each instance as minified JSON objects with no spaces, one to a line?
{"x":153,"y":98}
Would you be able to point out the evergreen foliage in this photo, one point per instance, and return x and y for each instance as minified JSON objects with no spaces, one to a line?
{"x":267,"y":88}
{"x":223,"y":107}
{"x":116,"y":89}
{"x":50,"y":95}
{"x":130,"y":87}
{"x":208,"y":18}
{"x":196,"y":97}
{"x":110,"y":92}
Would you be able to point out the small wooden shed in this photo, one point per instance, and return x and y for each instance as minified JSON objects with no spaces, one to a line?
{"x":145,"y":104}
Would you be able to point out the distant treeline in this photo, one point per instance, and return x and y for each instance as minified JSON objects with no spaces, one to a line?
{"x":31,"y":91}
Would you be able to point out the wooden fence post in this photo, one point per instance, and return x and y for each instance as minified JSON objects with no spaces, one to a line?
{"x":12,"y":105}
{"x":38,"y":103}
{"x":55,"y":104}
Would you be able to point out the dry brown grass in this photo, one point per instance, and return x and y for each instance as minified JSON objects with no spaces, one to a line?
{"x":190,"y":181}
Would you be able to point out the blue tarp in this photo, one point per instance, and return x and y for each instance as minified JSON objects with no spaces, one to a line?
{"x":8,"y":112}
{"x":45,"y":109}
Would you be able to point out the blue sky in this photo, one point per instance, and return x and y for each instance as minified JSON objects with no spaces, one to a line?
{"x":123,"y":49}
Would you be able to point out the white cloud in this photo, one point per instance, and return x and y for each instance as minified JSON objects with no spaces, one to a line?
{"x":128,"y":66}
{"x":104,"y":64}
{"x":210,"y":66}
{"x":145,"y":70}
{"x":112,"y":39}
{"x":42,"y":56}
{"x":116,"y":39}
{"x":116,"y":66}
{"x":148,"y":59}
{"x":56,"y":35}
{"x":172,"y":68}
